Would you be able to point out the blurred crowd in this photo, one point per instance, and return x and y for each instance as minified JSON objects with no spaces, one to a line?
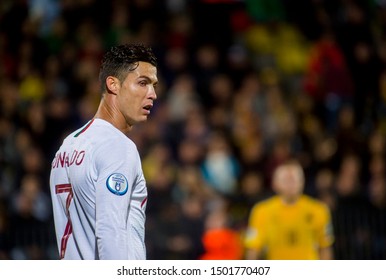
{"x":244,"y":85}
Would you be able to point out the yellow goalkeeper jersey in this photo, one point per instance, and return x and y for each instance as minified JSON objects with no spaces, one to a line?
{"x":286,"y":232}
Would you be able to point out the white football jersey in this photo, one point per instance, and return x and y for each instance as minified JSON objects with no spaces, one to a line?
{"x":99,"y":195}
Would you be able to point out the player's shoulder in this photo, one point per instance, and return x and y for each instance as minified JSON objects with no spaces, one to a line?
{"x":314,"y":202}
{"x":267,"y":203}
{"x":103,"y":133}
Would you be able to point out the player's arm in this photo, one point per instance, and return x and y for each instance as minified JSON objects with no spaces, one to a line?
{"x":254,"y":236}
{"x":252,"y":254}
{"x":326,"y":253}
{"x":326,"y":234}
{"x":114,"y":166}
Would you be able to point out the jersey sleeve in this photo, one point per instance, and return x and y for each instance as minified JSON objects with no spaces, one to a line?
{"x":115,"y":165}
{"x":325,"y":229}
{"x":254,"y":237}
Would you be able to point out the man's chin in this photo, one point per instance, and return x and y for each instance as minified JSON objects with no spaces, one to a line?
{"x":139,"y":120}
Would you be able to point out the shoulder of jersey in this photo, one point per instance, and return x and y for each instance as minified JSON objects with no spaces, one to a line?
{"x":111,"y":138}
{"x":267,"y":203}
{"x":314,"y":201}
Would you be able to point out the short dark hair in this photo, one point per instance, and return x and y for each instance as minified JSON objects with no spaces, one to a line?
{"x":122,"y":59}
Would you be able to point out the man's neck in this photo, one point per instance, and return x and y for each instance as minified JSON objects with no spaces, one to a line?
{"x":109,"y":112}
{"x":290,"y":200}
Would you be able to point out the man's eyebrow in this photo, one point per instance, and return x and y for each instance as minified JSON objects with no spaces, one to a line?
{"x":148,"y":79}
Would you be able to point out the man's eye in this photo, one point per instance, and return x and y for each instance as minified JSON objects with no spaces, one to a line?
{"x":143,"y":83}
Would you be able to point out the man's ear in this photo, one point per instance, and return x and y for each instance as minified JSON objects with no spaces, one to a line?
{"x":112,"y":85}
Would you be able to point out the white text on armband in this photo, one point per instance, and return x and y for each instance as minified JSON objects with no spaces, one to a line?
{"x":65,"y":159}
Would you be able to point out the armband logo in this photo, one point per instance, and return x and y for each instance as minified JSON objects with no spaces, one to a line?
{"x":117,"y":184}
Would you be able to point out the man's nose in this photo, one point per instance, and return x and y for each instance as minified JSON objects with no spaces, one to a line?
{"x":153,"y":94}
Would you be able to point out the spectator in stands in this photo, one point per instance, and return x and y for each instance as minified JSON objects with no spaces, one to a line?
{"x":220,"y":240}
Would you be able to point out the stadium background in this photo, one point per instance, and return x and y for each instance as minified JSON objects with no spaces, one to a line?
{"x":243,"y":86}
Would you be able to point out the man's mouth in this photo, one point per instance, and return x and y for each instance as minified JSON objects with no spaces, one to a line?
{"x":148,"y":107}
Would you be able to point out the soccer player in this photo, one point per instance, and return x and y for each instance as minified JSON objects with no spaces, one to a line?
{"x":289,"y":225}
{"x":97,"y":185}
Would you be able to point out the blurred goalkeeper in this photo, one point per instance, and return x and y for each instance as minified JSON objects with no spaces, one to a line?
{"x":289,"y":225}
